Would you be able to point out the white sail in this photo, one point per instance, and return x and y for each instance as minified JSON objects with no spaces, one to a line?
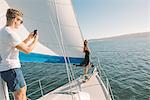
{"x":56,"y":25}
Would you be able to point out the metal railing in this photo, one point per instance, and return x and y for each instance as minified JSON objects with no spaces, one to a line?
{"x":104,"y":78}
{"x":41,"y":88}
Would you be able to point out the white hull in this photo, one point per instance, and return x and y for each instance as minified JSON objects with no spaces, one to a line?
{"x":93,"y":89}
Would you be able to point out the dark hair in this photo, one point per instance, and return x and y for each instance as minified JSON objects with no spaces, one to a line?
{"x":85,"y":42}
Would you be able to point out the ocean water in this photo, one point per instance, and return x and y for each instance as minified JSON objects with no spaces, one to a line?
{"x":126,"y":61}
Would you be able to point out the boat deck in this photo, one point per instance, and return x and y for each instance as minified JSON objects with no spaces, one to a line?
{"x":90,"y":90}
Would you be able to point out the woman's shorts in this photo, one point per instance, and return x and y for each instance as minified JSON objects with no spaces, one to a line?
{"x":14,"y":79}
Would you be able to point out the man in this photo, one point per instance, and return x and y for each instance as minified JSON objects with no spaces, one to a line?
{"x":10,"y":45}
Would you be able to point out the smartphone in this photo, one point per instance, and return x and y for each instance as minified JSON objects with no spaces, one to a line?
{"x":35,"y":33}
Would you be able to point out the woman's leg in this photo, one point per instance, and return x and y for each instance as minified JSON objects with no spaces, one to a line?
{"x":86,"y":69}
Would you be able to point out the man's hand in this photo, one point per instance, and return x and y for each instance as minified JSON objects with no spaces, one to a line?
{"x":36,"y":38}
{"x":31,"y":35}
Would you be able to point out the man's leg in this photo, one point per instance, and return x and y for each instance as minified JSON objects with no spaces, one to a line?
{"x":20,"y":94}
{"x":15,"y":82}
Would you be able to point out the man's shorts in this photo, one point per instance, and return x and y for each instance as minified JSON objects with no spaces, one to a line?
{"x":14,"y":79}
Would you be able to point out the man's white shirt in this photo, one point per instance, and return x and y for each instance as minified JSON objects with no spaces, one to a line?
{"x":9,"y":39}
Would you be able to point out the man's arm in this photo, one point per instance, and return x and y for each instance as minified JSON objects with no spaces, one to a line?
{"x":28,"y":38}
{"x":27,"y":48}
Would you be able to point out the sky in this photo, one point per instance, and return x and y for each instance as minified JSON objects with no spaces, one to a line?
{"x":106,"y":18}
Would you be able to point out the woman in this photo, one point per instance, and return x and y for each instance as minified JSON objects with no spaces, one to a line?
{"x":86,"y":62}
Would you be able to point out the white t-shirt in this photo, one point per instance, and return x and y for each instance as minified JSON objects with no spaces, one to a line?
{"x":9,"y":54}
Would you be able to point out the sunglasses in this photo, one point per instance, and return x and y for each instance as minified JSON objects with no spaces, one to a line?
{"x":21,"y":21}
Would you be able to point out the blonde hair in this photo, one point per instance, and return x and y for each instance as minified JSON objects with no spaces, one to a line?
{"x":13,"y":13}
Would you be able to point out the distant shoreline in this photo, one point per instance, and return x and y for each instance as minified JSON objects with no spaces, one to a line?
{"x":124,"y":36}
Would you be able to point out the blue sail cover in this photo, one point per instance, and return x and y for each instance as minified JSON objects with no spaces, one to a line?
{"x":33,"y":57}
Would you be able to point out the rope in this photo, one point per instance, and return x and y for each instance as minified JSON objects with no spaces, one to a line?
{"x":70,"y":72}
{"x":63,"y":49}
{"x":60,"y":42}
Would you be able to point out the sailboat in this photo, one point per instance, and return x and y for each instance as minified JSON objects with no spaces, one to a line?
{"x":60,"y":41}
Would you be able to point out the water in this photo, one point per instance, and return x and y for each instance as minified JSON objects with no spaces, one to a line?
{"x":52,"y":76}
{"x":125,"y":60}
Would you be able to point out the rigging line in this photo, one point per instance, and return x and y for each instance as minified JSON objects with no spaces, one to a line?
{"x":73,"y":77}
{"x":72,"y":71}
{"x":63,"y":50}
{"x":54,"y":6}
{"x":57,"y":35}
{"x":58,"y":22}
{"x":70,"y":67}
{"x":79,"y":29}
{"x":67,"y":59}
{"x":61,"y":38}
{"x":55,"y":28}
{"x":54,"y":25}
